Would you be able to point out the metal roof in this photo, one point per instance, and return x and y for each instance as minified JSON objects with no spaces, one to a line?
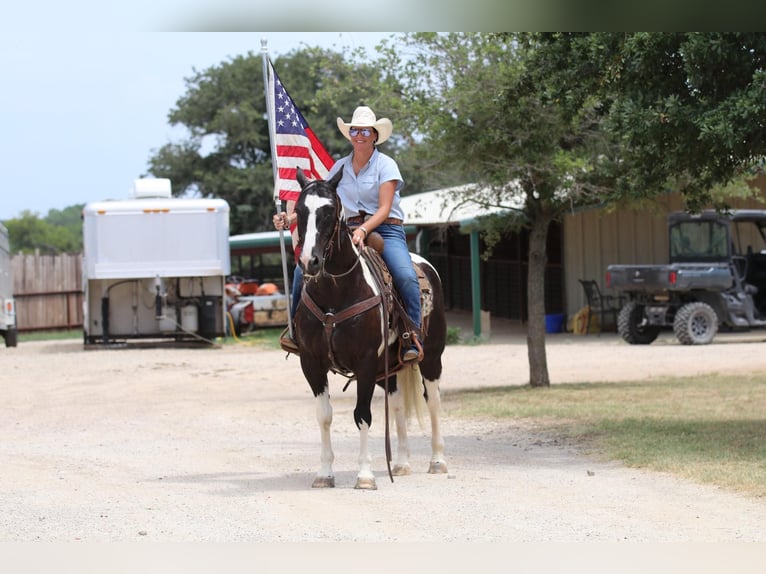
{"x":447,"y":206}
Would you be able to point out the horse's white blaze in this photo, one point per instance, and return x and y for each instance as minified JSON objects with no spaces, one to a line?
{"x":313,"y":203}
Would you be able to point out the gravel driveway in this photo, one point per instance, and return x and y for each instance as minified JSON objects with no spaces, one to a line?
{"x":222,"y":445}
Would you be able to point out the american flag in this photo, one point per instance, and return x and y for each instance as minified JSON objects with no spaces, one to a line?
{"x":296,"y":144}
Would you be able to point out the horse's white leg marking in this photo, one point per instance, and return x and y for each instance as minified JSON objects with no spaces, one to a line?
{"x":365,"y":479}
{"x":402,"y":457}
{"x":438,"y":462}
{"x":313,"y":204}
{"x":324,"y":477}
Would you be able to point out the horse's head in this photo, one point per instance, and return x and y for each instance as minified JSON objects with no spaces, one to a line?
{"x":319,"y":215}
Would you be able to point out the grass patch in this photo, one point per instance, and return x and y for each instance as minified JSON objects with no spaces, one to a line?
{"x":267,"y":337}
{"x":453,"y":336}
{"x":50,"y":335}
{"x":707,"y":429}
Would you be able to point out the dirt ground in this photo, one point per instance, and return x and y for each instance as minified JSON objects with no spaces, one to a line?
{"x":221,"y":445}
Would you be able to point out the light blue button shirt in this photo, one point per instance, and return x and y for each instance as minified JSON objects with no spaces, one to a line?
{"x":361,"y":192}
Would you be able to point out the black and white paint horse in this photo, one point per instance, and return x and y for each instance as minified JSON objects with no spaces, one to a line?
{"x":342,"y":325}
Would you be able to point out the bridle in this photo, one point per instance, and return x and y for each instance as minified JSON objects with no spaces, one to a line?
{"x":328,"y":250}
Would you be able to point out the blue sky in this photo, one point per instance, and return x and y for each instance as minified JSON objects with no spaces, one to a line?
{"x":82,"y":108}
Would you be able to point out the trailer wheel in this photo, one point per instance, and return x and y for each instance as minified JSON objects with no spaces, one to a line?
{"x":11,"y":338}
{"x":632,"y":325}
{"x":695,"y":324}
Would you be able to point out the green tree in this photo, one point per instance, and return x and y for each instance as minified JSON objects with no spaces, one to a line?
{"x":69,"y":218}
{"x":228,"y":154}
{"x":58,"y":232}
{"x":483,"y":104}
{"x":687,"y":108}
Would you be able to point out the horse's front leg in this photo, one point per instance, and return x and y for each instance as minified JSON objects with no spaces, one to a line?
{"x":365,"y":479}
{"x":325,"y":477}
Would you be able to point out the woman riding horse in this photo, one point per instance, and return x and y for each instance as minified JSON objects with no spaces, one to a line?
{"x":370,"y":193}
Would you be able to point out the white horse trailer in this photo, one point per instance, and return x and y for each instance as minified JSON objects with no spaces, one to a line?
{"x":155,"y":267}
{"x":8,"y":310}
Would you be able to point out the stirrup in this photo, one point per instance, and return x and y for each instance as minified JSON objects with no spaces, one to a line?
{"x":287,"y":343}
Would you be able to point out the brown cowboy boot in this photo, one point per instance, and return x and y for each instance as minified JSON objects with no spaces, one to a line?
{"x":415,"y":350}
{"x":410,"y":355}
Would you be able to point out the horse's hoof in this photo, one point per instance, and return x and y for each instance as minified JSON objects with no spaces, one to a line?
{"x":366,"y":484}
{"x":437,"y":467}
{"x":401,"y":470}
{"x":324,"y":482}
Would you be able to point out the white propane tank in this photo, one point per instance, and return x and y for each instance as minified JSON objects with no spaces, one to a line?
{"x":190,"y":318}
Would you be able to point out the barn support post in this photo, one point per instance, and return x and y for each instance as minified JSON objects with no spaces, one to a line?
{"x":475,"y":284}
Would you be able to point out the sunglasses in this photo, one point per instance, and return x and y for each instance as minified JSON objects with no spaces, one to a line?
{"x":366,"y":132}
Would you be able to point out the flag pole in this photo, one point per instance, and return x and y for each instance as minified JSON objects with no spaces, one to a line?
{"x":275,"y":171}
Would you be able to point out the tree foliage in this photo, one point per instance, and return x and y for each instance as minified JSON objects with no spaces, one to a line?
{"x":687,"y":108}
{"x":487,"y":106}
{"x":59,"y":232}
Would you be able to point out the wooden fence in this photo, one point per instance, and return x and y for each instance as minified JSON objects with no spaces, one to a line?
{"x":48,"y":291}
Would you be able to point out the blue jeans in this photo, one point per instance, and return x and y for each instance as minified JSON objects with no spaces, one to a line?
{"x":396,"y":254}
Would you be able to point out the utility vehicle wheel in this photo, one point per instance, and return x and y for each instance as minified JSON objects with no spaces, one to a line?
{"x":11,"y":338}
{"x":695,"y":324}
{"x":632,"y":325}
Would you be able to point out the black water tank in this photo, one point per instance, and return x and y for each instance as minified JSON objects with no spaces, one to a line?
{"x":210,"y":315}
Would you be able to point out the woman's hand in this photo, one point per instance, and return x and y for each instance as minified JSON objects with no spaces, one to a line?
{"x":359,"y":235}
{"x":281,"y":221}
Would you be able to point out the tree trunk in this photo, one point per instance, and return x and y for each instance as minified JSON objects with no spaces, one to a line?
{"x":538,"y":362}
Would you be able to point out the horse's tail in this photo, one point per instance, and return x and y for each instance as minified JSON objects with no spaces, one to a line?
{"x":409,"y":381}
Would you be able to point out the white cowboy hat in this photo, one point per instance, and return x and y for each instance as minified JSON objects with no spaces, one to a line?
{"x":364,"y":117}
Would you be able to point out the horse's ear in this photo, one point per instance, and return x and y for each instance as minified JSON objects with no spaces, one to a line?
{"x":336,"y":179}
{"x":301,"y":177}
